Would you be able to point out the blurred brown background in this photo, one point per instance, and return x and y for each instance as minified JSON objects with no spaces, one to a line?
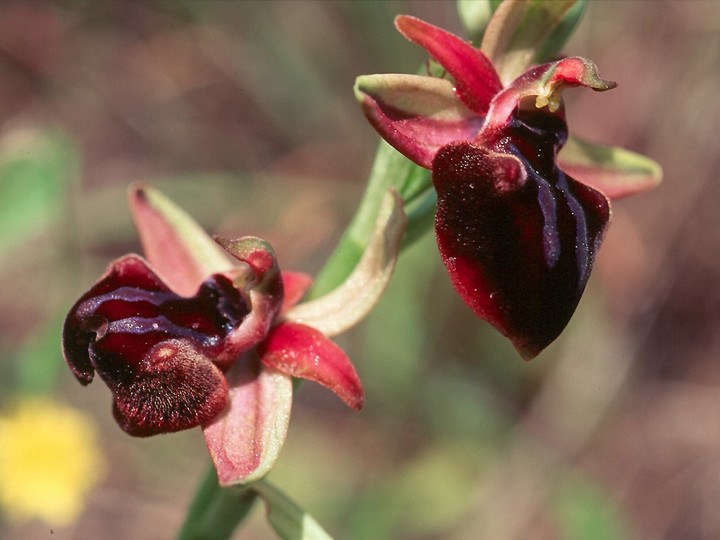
{"x":243,"y":112}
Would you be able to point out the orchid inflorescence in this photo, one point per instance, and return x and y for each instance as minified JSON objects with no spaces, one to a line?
{"x":209,"y":332}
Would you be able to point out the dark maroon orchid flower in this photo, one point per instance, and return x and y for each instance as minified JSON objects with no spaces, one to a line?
{"x":192,"y":339}
{"x":517,"y":234}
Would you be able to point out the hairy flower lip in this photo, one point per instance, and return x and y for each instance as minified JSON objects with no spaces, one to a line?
{"x":520,"y":259}
{"x":145,"y":341}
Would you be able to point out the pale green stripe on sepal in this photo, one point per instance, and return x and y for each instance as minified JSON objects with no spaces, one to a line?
{"x":352,"y":300}
{"x":614,"y":171}
{"x":390,"y":170}
{"x":190,"y":237}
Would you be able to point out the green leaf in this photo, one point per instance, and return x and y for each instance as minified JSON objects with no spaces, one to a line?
{"x":35,"y":168}
{"x":520,"y":30}
{"x":288,"y":520}
{"x":585,"y":512}
{"x":38,"y":360}
{"x":475,"y":15}
{"x":616,"y":172}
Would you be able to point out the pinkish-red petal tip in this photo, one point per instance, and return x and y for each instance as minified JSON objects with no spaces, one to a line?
{"x":476,"y":80}
{"x":302,"y":351}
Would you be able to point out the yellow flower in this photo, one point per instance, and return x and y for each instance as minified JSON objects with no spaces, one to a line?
{"x":49,"y":460}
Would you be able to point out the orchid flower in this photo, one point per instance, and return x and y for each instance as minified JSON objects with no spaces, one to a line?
{"x":518,"y":235}
{"x":209,"y":332}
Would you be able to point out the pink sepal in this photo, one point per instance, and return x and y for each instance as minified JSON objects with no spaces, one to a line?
{"x":295,"y":285}
{"x":245,"y":440}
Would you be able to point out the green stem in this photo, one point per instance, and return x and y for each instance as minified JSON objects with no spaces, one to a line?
{"x":215,"y":511}
{"x":390,"y":169}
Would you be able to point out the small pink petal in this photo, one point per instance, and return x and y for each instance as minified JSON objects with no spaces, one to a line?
{"x":546,"y":83}
{"x":295,"y":285}
{"x":578,"y":71}
{"x":244,"y":441}
{"x":475,"y":77}
{"x":302,"y":351}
